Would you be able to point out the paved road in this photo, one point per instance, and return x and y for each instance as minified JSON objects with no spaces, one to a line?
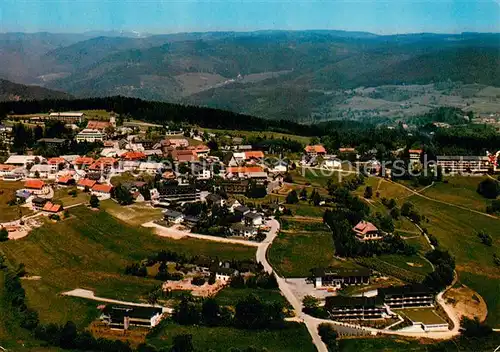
{"x":261,"y":257}
{"x":82,"y":293}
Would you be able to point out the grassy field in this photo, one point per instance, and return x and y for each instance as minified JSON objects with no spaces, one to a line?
{"x":61,"y":194}
{"x":456,"y":230}
{"x":460,"y":190}
{"x":134,"y":214}
{"x":230,"y":296}
{"x":293,"y":338}
{"x":313,"y":177}
{"x":381,"y":345}
{"x":303,"y":246}
{"x":91,"y":251}
{"x":8,"y":192}
{"x":413,"y":263}
{"x":247,"y":134}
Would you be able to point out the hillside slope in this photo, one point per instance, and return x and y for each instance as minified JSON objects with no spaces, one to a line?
{"x":10,"y":91}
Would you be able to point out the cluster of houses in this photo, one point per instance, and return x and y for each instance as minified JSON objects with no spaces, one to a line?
{"x":246,"y":223}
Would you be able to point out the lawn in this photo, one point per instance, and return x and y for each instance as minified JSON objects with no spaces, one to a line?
{"x":134,"y":214}
{"x":61,"y":194}
{"x":301,"y":247}
{"x":422,"y":315}
{"x":460,"y":190}
{"x":315,"y":178}
{"x":230,"y":296}
{"x":247,"y":134}
{"x":293,"y":338}
{"x":456,"y":230}
{"x":8,"y":192}
{"x":387,"y":344}
{"x":413,"y":263}
{"x":91,"y":251}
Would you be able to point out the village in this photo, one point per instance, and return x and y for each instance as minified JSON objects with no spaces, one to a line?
{"x":182,"y":182}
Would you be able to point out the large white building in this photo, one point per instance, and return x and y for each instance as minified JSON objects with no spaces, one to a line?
{"x":69,"y":117}
{"x":89,"y":135}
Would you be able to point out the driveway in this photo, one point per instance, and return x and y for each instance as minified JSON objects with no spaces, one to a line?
{"x":82,"y":293}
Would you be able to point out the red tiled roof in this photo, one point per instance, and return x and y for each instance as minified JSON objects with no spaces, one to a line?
{"x":365,"y":227}
{"x":318,"y":148}
{"x":34,"y":184}
{"x":98,"y":125}
{"x":64,"y":179}
{"x":102,"y":188}
{"x":52,"y":208}
{"x":347,"y":150}
{"x":83,"y":160}
{"x":254,"y":154}
{"x":55,"y":161}
{"x":415,"y":151}
{"x":168,"y":175}
{"x":133,"y":155}
{"x":86,"y":182}
{"x":244,"y":169}
{"x":6,"y":167}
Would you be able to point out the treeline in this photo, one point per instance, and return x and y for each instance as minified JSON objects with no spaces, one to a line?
{"x":159,"y":112}
{"x":65,"y":336}
{"x":248,"y":313}
{"x":368,"y":137}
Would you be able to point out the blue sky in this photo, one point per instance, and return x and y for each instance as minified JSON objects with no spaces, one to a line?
{"x":155,"y":16}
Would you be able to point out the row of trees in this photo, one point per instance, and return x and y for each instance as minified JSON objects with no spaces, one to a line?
{"x":249,"y":313}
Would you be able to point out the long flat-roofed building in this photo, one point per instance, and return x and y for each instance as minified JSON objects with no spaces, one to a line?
{"x":456,"y":164}
{"x":338,"y":277}
{"x":350,"y":308}
{"x":408,"y":296}
{"x":70,"y":117}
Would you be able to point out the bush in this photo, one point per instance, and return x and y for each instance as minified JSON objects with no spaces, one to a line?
{"x":328,"y":336}
{"x":489,"y":188}
{"x":485,"y":238}
{"x":4,"y":234}
{"x":198,"y":280}
{"x":94,"y":201}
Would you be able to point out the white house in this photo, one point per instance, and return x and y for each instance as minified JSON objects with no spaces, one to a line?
{"x":22,"y":160}
{"x":254,"y":219}
{"x":43,"y":171}
{"x":224,"y":274}
{"x":90,"y":135}
{"x":173,"y":216}
{"x":102,"y":191}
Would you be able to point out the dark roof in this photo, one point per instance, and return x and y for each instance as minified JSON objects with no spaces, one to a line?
{"x":190,"y":218}
{"x":404,"y":290}
{"x":39,"y":201}
{"x":213,"y":198}
{"x":227,"y":271}
{"x":172,"y":213}
{"x":343,"y":301}
{"x":241,"y":208}
{"x":253,"y":215}
{"x":241,"y":227}
{"x":120,"y":312}
{"x":341,"y":272}
{"x":52,"y":140}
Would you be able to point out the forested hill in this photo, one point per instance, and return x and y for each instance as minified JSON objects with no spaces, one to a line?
{"x":160,"y":112}
{"x":12,"y":91}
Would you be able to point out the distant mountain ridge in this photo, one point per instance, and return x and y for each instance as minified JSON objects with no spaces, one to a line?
{"x":268,"y":73}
